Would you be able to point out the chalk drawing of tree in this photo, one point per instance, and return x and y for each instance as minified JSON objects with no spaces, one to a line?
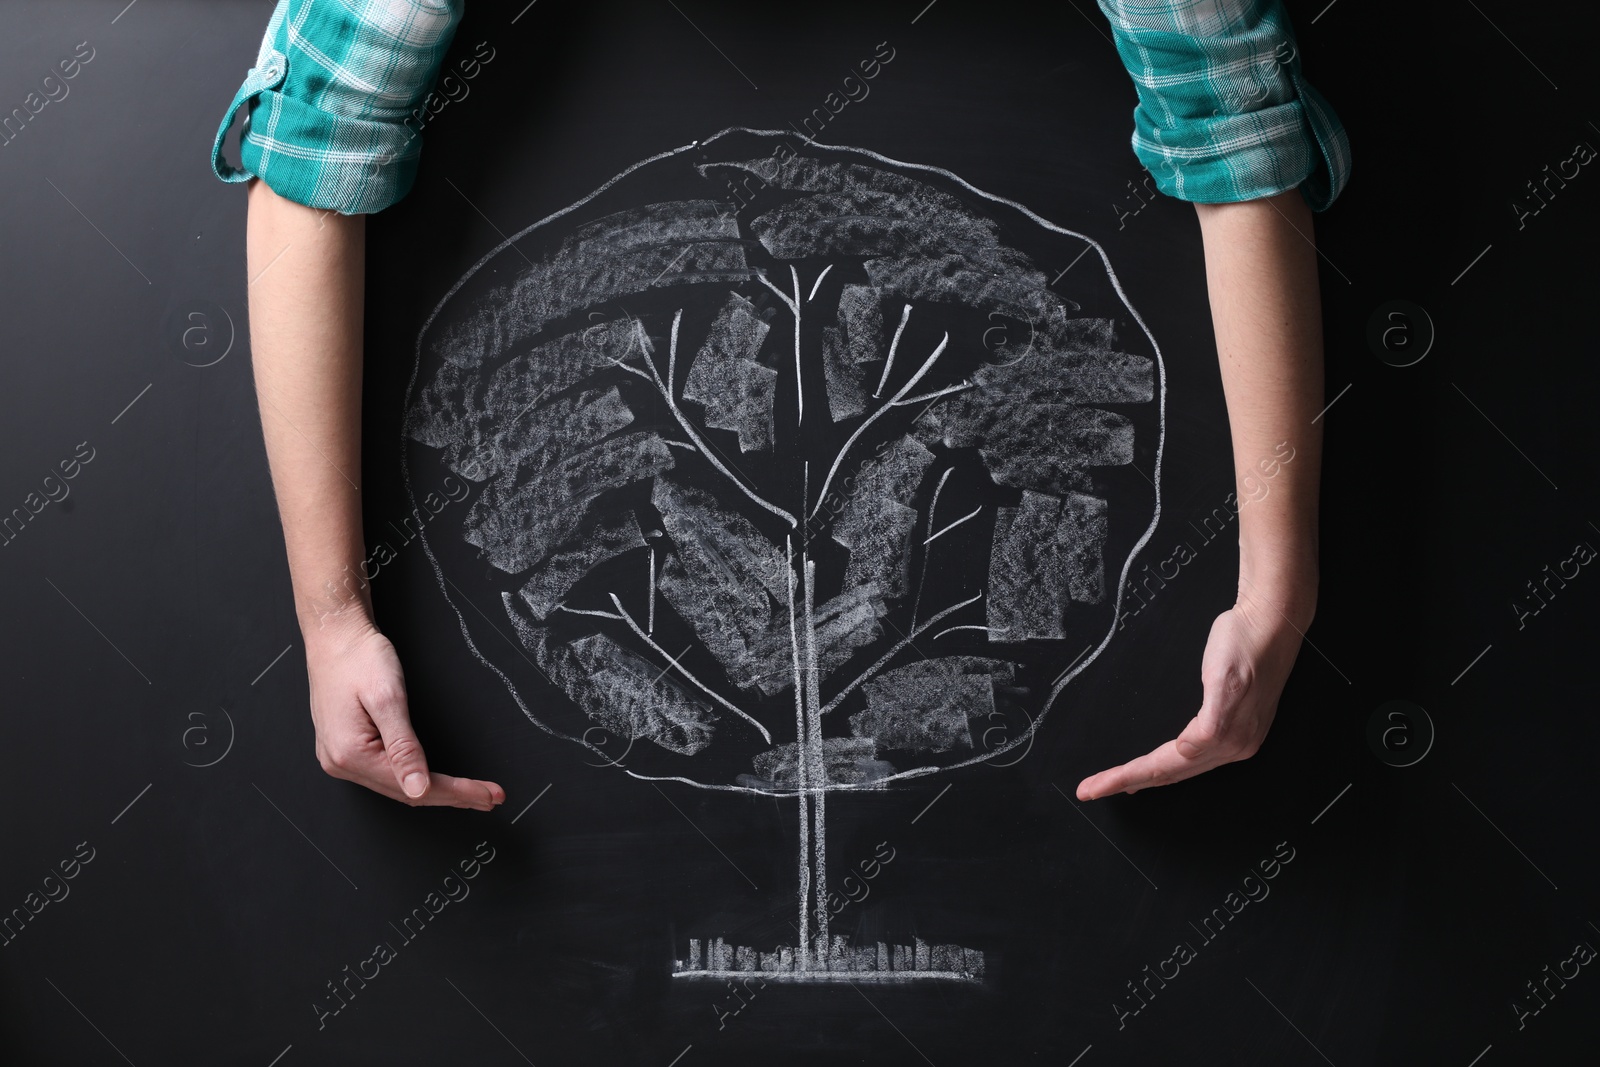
{"x":811,"y":488}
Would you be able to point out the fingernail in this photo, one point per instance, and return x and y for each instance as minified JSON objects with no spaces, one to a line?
{"x":416,"y":784}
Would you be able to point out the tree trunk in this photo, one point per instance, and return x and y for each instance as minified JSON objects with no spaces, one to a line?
{"x":811,"y":773}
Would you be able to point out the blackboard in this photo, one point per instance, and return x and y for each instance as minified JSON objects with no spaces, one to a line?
{"x":1383,"y":883}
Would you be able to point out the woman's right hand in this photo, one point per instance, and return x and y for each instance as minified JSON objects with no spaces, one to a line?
{"x":363,"y":724}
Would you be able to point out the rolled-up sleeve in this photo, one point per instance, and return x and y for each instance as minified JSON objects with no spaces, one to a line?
{"x":336,"y":100}
{"x":1224,"y":113}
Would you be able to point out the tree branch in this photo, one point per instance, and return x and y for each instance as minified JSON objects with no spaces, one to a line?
{"x":933,"y":508}
{"x":793,"y":304}
{"x":799,"y":382}
{"x":787,"y":301}
{"x":969,"y":515}
{"x":688,"y":428}
{"x":970,"y":626}
{"x":895,"y":401}
{"x":935,"y":395}
{"x":581,"y":611}
{"x":899,"y":647}
{"x":818,"y":283}
{"x":888,"y":365}
{"x":681,"y":669}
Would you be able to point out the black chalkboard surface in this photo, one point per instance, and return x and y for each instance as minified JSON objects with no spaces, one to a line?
{"x":790,"y":652}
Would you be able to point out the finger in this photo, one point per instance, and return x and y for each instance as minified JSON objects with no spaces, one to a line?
{"x":387,"y":707}
{"x":464,"y":792}
{"x":1159,"y":767}
{"x":1167,"y":763}
{"x":444,"y":791}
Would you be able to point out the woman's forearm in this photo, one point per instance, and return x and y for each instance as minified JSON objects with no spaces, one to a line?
{"x":306,"y":271}
{"x":1261,"y":270}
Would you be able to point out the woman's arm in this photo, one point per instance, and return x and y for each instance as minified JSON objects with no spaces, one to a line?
{"x":1261,"y":271}
{"x":306,"y":271}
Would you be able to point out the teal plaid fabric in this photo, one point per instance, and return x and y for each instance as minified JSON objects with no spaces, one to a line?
{"x":329,"y":98}
{"x":1224,"y":113}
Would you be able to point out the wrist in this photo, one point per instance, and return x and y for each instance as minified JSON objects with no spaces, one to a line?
{"x":1280,"y":570}
{"x":338,"y":613}
{"x":335,"y":634}
{"x":1280,"y":594}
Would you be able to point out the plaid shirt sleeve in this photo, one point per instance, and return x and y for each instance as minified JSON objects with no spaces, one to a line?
{"x":1224,"y":113}
{"x":336,"y":100}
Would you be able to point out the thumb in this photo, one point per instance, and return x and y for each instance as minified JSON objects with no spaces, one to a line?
{"x":1194,"y":740}
{"x":1202,"y":735}
{"x":389,"y":713}
{"x":1222,"y":684}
